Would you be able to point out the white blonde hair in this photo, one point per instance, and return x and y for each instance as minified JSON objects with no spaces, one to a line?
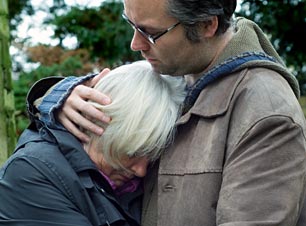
{"x":145,"y":106}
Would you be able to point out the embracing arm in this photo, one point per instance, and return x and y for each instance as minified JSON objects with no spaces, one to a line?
{"x":264,"y":178}
{"x":65,"y":105}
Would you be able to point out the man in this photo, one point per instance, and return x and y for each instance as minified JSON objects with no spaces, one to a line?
{"x":239,"y":153}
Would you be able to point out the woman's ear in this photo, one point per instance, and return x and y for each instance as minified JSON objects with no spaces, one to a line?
{"x":210,"y":27}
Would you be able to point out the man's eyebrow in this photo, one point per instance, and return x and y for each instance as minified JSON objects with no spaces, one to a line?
{"x":149,"y":28}
{"x":144,"y":27}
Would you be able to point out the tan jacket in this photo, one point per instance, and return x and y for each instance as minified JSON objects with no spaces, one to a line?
{"x":239,"y":157}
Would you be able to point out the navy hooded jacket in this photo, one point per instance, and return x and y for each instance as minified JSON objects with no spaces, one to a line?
{"x":50,"y":180}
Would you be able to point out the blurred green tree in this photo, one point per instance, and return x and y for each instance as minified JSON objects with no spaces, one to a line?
{"x":7,"y":120}
{"x":100,"y":30}
{"x":285,"y":22}
{"x":15,"y":11}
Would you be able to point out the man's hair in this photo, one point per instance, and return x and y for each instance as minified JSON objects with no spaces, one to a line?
{"x":191,"y":13}
{"x":145,"y":106}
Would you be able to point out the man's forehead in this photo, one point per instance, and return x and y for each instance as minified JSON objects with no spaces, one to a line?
{"x":140,"y":10}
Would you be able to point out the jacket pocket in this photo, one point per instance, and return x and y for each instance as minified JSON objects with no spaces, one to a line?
{"x":199,"y":148}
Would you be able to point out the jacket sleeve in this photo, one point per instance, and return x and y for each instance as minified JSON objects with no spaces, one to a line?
{"x":29,"y":197}
{"x":48,"y":95}
{"x":264,"y":176}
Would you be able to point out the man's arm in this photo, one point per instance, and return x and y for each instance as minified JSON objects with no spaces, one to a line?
{"x":264,"y":176}
{"x":64,"y":105}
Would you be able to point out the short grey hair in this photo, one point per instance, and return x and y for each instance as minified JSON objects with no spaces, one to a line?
{"x":145,"y":106}
{"x":191,"y":13}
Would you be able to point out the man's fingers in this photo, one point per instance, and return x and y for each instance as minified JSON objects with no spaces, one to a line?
{"x":77,"y":102}
{"x":100,"y":75}
{"x":87,"y":93}
{"x":74,"y":118}
{"x":94,"y":80}
{"x":77,"y":111}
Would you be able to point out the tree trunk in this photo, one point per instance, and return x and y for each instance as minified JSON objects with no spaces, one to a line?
{"x":7,"y":109}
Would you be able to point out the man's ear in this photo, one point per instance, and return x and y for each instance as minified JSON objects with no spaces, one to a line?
{"x":210,"y":27}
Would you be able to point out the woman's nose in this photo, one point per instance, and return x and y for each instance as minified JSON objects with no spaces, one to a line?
{"x":140,"y":167}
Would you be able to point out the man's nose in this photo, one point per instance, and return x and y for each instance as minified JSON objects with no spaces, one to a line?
{"x":140,"y":167}
{"x":139,"y":43}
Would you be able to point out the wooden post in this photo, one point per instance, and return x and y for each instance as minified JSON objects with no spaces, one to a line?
{"x":7,"y":107}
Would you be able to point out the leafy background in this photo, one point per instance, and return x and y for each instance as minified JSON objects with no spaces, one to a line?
{"x":103,"y":40}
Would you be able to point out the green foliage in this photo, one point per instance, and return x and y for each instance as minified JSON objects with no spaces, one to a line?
{"x":15,"y":9}
{"x":100,"y":30}
{"x":302,"y":101}
{"x":7,"y":120}
{"x":285,"y":21}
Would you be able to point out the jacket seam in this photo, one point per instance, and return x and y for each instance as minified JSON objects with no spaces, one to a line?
{"x":297,"y":125}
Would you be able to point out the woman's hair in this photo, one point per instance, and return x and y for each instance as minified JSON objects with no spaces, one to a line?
{"x":191,"y":13}
{"x":145,"y":106}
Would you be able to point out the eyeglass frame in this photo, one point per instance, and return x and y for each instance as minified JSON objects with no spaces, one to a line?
{"x":151,"y":38}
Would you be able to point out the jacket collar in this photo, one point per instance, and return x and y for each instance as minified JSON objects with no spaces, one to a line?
{"x":226,"y":68}
{"x":215,"y":99}
{"x":248,"y":36}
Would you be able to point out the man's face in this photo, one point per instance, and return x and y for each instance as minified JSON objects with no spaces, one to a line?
{"x":172,"y":53}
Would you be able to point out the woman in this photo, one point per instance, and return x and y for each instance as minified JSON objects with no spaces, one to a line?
{"x":51,"y":180}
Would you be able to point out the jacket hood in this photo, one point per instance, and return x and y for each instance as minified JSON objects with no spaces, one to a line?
{"x":249,"y":37}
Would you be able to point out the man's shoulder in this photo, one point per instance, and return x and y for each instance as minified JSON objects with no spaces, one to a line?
{"x":268,"y":82}
{"x":251,"y":88}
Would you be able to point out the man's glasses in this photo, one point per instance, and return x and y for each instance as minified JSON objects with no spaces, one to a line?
{"x":151,"y":38}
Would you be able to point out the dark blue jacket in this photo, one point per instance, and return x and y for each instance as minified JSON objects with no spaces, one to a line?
{"x":50,"y":180}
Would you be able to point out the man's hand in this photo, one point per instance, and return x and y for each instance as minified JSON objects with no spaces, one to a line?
{"x":76,"y":111}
